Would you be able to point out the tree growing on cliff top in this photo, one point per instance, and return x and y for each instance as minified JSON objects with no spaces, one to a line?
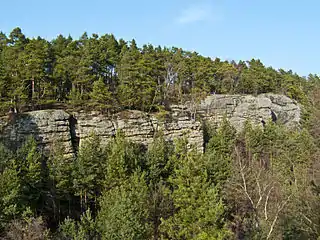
{"x":101,"y":95}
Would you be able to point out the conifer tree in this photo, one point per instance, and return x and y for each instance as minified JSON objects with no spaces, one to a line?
{"x":136,"y":87}
{"x":101,"y":95}
{"x":123,"y":213}
{"x":36,"y":59}
{"x":159,"y":169}
{"x":10,"y":195}
{"x":89,"y":173}
{"x":32,"y":175}
{"x":123,"y":158}
{"x":218,"y":153}
{"x":61,"y":167}
{"x":84,"y":229}
{"x":199,"y":211}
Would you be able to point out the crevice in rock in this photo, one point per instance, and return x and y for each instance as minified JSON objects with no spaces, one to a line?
{"x":273,"y":116}
{"x":75,"y":140}
{"x":114,"y":126}
{"x":152,"y":127}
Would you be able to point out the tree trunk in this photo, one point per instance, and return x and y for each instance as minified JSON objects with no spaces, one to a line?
{"x":32,"y":87}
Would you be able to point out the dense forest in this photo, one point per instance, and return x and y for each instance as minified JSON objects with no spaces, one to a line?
{"x":110,"y":74}
{"x":260,"y":183}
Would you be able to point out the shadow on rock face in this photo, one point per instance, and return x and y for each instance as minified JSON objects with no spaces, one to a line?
{"x":47,"y":127}
{"x":274,"y":117}
{"x":17,"y":130}
{"x":75,"y":140}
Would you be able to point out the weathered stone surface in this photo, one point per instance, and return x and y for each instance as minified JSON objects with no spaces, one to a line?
{"x":239,"y":108}
{"x":71,"y":129}
{"x":47,"y":127}
{"x":137,"y":126}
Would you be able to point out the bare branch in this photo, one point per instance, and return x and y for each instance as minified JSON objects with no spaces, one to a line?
{"x":243,"y":178}
{"x":266,"y":204}
{"x":259,"y":189}
{"x":277,"y":215}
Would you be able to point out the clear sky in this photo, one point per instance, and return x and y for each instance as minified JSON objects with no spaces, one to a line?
{"x":282,"y":33}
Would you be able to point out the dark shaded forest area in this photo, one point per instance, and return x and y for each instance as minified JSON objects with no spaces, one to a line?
{"x":260,"y":183}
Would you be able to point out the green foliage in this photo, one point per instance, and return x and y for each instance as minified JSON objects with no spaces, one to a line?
{"x":134,"y":76}
{"x":218,"y":153}
{"x":159,"y":169}
{"x":61,"y":169}
{"x":123,"y":158}
{"x":123,"y":213}
{"x":22,"y":182}
{"x":114,"y":74}
{"x":10,"y":194}
{"x":88,"y":174}
{"x":31,"y":174}
{"x":85,"y":229}
{"x":101,"y":94}
{"x":199,"y":210}
{"x":262,"y":183}
{"x":75,"y":97}
{"x":157,"y":158}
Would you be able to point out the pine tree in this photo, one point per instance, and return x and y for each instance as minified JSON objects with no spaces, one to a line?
{"x":123,"y":158}
{"x":218,"y":153}
{"x":109,"y":57}
{"x":89,"y":173}
{"x":136,"y":87}
{"x":199,"y":210}
{"x":60,"y":74}
{"x":62,"y":201}
{"x":86,"y":72}
{"x":157,"y":159}
{"x":3,"y":79}
{"x":10,"y":195}
{"x":101,"y":95}
{"x":123,"y":213}
{"x":3,"y":73}
{"x":14,"y":67}
{"x":32,"y":175}
{"x":158,"y":171}
{"x":36,"y":59}
{"x":84,"y":229}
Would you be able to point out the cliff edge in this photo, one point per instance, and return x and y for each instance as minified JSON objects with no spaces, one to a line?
{"x":70,"y":129}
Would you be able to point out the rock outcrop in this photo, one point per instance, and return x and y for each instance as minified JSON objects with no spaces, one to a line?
{"x":46,"y":126}
{"x":138,"y":126}
{"x":71,"y":129}
{"x":51,"y":127}
{"x":259,"y":110}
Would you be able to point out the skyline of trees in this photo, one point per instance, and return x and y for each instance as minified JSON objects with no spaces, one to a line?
{"x":110,"y":74}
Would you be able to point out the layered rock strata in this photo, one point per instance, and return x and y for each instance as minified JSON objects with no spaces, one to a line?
{"x":70,"y":129}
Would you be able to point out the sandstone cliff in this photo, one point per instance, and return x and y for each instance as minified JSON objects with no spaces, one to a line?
{"x":260,"y":109}
{"x":51,"y":127}
{"x":70,"y":129}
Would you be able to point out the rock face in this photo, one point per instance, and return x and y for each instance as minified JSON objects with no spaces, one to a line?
{"x":71,"y":129}
{"x":240,"y":108}
{"x":46,"y":126}
{"x":50,"y":127}
{"x":138,"y":126}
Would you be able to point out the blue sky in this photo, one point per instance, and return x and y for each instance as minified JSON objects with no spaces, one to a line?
{"x":282,"y":33}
